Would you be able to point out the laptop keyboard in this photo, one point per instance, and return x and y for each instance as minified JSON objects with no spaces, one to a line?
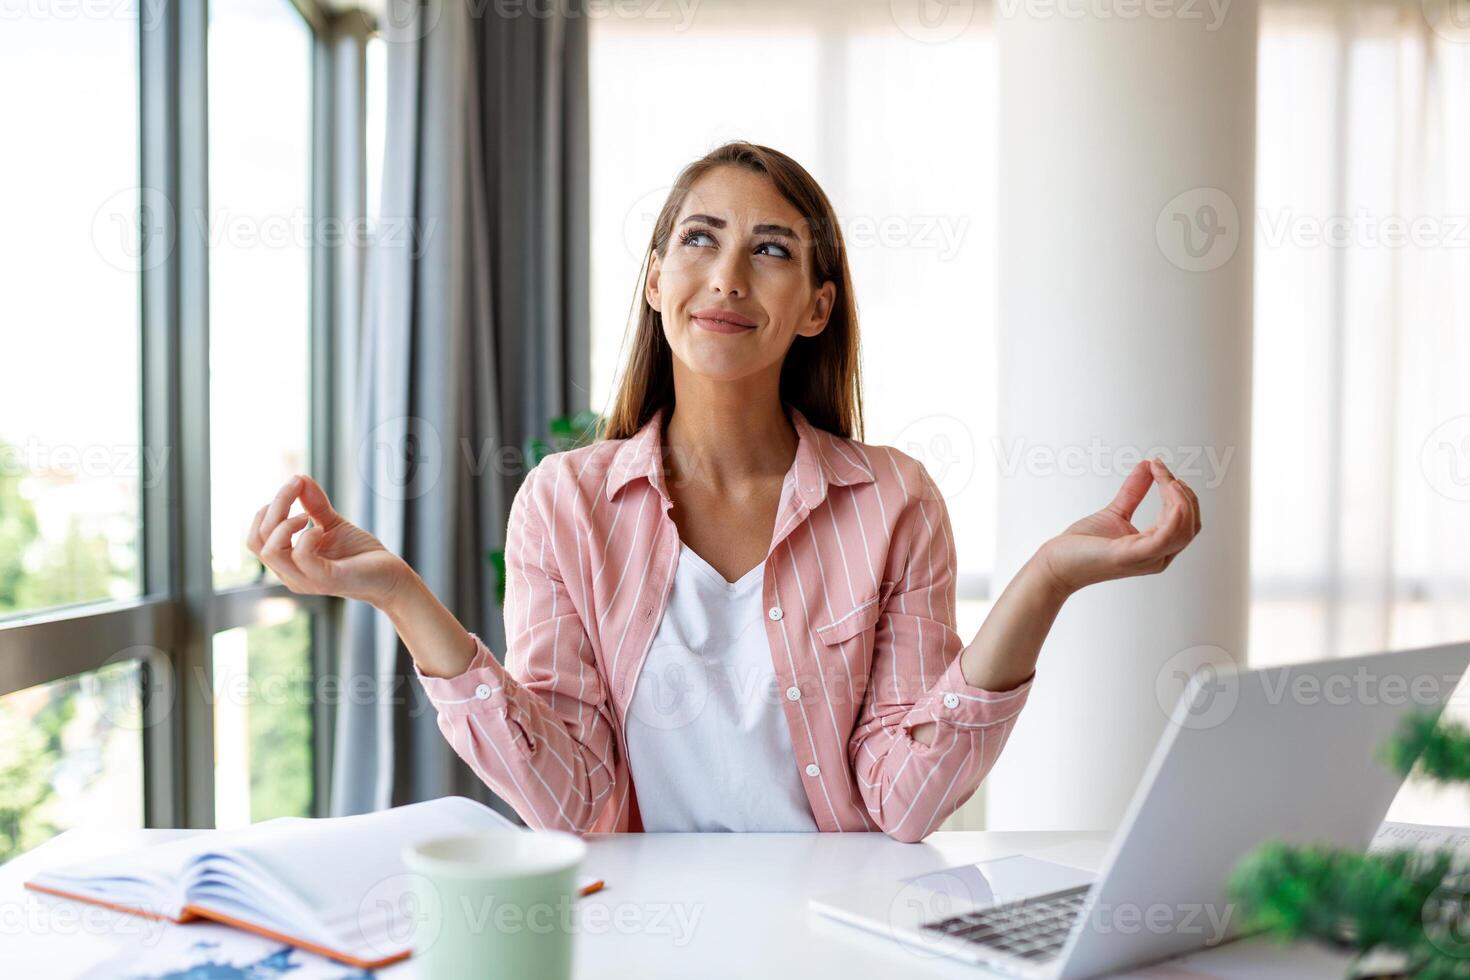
{"x":1034,"y":928}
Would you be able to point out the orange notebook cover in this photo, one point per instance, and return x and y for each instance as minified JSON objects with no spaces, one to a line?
{"x":310,"y":865}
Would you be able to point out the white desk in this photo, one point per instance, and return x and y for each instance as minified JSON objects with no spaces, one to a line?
{"x":675,"y":905}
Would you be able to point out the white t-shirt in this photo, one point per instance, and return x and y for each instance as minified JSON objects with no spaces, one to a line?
{"x":708,"y":743}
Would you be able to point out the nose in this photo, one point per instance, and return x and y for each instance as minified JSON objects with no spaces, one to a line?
{"x":730,"y":274}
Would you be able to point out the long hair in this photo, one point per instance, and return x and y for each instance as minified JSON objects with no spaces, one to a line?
{"x":820,"y":374}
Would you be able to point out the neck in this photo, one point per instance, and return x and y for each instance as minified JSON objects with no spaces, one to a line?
{"x":727,"y":436}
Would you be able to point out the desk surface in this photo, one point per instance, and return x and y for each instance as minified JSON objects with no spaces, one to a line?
{"x":714,"y":905}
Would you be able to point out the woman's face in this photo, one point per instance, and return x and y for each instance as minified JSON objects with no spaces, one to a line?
{"x":737,"y":249}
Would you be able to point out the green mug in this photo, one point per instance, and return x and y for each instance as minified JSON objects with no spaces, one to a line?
{"x":495,"y":903}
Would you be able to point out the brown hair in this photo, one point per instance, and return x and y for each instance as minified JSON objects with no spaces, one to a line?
{"x":820,"y":374}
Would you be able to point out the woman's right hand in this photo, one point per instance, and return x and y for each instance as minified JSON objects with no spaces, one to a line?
{"x":333,"y":556}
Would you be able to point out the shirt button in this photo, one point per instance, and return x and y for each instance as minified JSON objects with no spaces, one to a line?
{"x":793,"y":693}
{"x":775,"y":612}
{"x":483,"y":692}
{"x":812,"y":770}
{"x":951,"y":700}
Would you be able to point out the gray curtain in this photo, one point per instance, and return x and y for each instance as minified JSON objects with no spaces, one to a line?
{"x":474,"y":335}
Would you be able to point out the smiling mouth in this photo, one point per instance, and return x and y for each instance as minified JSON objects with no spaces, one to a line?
{"x":721,"y":326}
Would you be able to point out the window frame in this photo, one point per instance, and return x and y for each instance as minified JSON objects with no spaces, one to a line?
{"x":171,"y":626}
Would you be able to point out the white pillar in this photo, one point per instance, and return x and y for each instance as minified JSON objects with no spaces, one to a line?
{"x":1126,"y":139}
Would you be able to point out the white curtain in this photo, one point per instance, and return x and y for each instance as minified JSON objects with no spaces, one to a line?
{"x":1360,"y":524}
{"x":1361,"y":497}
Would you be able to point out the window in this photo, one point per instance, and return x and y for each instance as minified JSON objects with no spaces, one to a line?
{"x":1361,"y":345}
{"x":376,"y":126}
{"x":71,"y":755}
{"x":128,"y":293}
{"x":262,"y":722}
{"x":70,"y":464}
{"x":259,"y":264}
{"x":1360,"y":349}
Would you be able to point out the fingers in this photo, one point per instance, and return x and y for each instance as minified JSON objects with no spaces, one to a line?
{"x":1176,"y":526}
{"x":1157,"y":542}
{"x":1181,"y":531}
{"x":1194,"y":499}
{"x":277,"y":553}
{"x":253,"y":540}
{"x":306,"y":556}
{"x":1188,"y":498}
{"x":1134,"y":489}
{"x":314,"y":499}
{"x":269,"y":537}
{"x":1177,"y":513}
{"x":278,"y":545}
{"x":277,"y":509}
{"x":1174,"y":491}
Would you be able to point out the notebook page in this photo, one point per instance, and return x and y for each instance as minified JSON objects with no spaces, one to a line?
{"x":149,"y":880}
{"x":338,"y":881}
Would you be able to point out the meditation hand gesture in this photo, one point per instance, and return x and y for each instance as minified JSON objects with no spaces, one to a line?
{"x":1106,"y":545}
{"x":333,"y":557}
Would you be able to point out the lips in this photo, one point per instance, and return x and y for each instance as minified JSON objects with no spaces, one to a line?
{"x":715,"y":318}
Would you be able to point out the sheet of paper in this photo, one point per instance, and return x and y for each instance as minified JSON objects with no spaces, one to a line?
{"x":1420,"y":836}
{"x":205,"y":951}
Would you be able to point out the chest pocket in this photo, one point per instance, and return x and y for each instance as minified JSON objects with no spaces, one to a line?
{"x":849,"y":623}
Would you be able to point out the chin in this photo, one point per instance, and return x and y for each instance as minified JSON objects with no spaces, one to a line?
{"x":706,"y":358}
{"x":722,"y":371}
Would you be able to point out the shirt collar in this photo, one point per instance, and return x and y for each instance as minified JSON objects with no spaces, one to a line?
{"x":822,"y":459}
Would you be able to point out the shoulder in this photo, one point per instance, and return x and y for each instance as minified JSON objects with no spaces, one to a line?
{"x":896,"y":474}
{"x":901,"y":505}
{"x":560,"y":478}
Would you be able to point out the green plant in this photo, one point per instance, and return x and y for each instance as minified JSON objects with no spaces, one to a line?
{"x":1410,"y":905}
{"x":566,"y":432}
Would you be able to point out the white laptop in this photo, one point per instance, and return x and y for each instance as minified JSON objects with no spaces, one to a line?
{"x":1286,"y":753}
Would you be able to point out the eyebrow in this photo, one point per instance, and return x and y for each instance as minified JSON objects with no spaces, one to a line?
{"x":710,"y":219}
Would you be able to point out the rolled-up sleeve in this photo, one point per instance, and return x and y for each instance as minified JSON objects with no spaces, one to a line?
{"x":909,"y":788}
{"x":538,"y":729}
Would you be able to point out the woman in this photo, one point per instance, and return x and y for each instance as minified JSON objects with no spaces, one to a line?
{"x":728,"y":595}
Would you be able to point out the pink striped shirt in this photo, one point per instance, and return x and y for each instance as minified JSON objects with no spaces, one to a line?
{"x":860,"y":599}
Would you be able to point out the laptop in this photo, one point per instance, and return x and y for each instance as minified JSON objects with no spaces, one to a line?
{"x":1284,"y":753}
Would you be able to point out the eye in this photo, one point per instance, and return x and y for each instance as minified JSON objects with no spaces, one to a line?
{"x":772,"y":243}
{"x":691,"y":236}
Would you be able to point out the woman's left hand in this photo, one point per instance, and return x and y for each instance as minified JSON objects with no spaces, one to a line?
{"x":1106,"y":545}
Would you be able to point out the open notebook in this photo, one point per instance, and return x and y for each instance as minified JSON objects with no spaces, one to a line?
{"x":335,"y":886}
